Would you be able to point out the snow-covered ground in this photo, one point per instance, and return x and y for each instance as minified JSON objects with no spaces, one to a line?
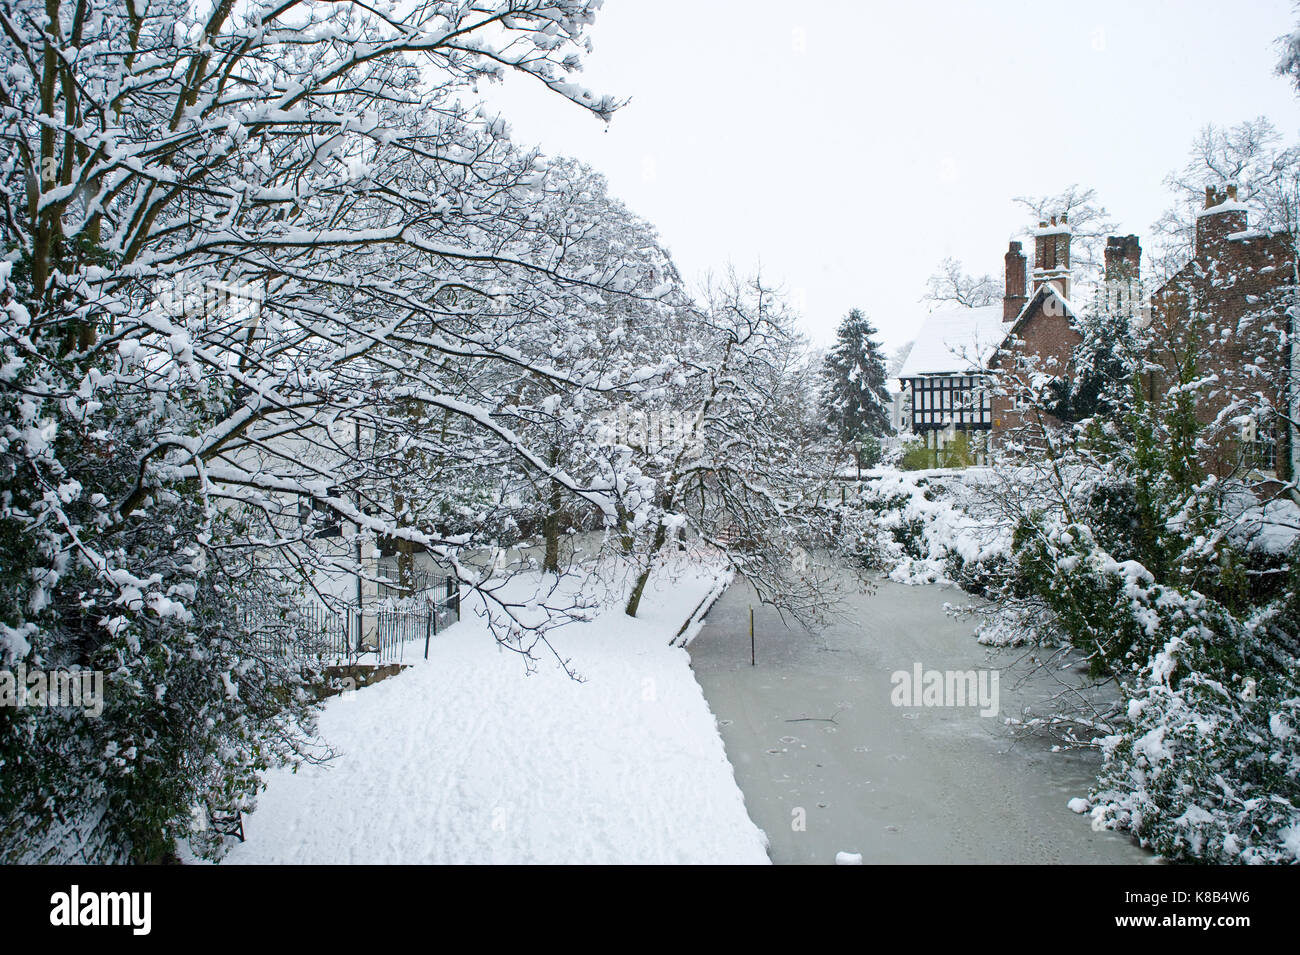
{"x":467,"y":758}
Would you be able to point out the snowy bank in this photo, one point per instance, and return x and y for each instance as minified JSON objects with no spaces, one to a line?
{"x":466,"y":758}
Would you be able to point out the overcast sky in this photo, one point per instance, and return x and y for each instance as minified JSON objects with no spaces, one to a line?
{"x":848,"y":147}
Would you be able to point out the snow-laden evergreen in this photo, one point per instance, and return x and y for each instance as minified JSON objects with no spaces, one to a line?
{"x":856,"y":396}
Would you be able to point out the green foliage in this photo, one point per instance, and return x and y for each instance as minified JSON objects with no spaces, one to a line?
{"x":957,"y":453}
{"x":870,"y":451}
{"x":916,"y":456}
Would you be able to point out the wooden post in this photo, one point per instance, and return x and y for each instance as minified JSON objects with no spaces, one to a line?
{"x":428,"y":627}
{"x":751,"y":636}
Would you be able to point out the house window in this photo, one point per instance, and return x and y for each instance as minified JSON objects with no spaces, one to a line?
{"x":941,"y":401}
{"x":1259,"y":446}
{"x":319,"y":519}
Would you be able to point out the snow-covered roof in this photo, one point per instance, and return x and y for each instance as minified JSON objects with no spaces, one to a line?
{"x":955,"y":340}
{"x":1227,"y":205}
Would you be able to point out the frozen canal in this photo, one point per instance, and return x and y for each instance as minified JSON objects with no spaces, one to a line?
{"x":828,"y":764}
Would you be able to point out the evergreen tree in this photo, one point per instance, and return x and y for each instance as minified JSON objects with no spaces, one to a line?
{"x":856,"y":398}
{"x":1104,"y":364}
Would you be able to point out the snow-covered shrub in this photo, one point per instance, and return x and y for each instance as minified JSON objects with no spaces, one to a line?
{"x":194,"y":704}
{"x":1208,"y":767}
{"x":1094,"y":600}
{"x":1204,"y":765}
{"x":922,"y":531}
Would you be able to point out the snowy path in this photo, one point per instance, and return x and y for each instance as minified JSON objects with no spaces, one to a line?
{"x":895,"y":784}
{"x":466,"y":759}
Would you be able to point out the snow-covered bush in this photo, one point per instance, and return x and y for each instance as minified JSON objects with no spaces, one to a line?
{"x":1180,"y":588}
{"x":1207,"y":768}
{"x":918,"y":528}
{"x":194,"y":703}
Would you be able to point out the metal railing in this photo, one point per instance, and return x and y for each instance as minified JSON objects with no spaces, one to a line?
{"x":347,"y":635}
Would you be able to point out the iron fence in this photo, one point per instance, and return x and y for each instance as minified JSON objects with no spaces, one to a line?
{"x":345,"y":634}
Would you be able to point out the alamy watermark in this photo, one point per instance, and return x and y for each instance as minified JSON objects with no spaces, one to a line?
{"x":53,"y":689}
{"x":76,"y":907}
{"x":238,"y":302}
{"x":921,"y":687}
{"x":650,"y":431}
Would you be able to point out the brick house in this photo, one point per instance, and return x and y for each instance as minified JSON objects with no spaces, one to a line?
{"x":1224,"y":316}
{"x":1228,"y":307}
{"x":971,"y":367}
{"x":1040,"y":338}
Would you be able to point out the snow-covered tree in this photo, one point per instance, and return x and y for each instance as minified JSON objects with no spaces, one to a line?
{"x":952,"y":284}
{"x":1253,"y":157}
{"x":255,"y":258}
{"x":856,"y":396}
{"x":1089,"y":223}
{"x":740,"y":477}
{"x":631,"y":338}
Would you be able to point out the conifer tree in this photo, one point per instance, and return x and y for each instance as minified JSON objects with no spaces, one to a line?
{"x":856,"y":398}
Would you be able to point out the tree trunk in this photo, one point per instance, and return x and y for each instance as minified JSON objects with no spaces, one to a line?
{"x":634,"y":601}
{"x":551,"y":523}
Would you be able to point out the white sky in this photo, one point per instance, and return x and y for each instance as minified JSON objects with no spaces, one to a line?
{"x":848,"y":147}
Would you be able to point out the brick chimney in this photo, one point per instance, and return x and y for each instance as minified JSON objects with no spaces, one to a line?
{"x":1123,"y":271}
{"x":1014,"y":298}
{"x":1123,"y":258}
{"x":1052,"y":255}
{"x":1222,"y":216}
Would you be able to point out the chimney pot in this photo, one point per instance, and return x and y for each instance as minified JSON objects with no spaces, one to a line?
{"x":1214,"y":196}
